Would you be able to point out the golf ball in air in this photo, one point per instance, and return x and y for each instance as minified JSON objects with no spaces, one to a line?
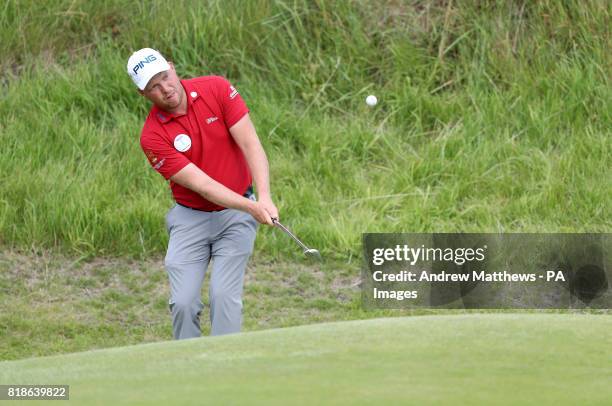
{"x":371,"y":100}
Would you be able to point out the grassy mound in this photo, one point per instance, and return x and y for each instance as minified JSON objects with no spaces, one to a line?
{"x":464,"y":359}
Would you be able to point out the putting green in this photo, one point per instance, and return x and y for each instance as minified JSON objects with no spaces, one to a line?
{"x":454,"y":359}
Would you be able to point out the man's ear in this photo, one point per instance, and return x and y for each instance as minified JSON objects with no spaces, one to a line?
{"x":171,"y":66}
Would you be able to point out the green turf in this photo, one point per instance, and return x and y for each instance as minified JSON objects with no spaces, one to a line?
{"x":464,"y":359}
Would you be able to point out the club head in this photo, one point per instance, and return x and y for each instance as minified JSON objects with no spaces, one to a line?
{"x":313,"y":253}
{"x":309,"y":252}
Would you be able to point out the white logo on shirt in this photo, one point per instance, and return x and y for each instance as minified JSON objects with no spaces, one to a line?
{"x":160,"y":163}
{"x":211,"y":120}
{"x":182,"y":142}
{"x":233,"y":92}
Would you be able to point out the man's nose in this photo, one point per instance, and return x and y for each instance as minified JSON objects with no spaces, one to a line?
{"x":166,"y":89}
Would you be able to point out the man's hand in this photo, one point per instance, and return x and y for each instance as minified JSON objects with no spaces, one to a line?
{"x":260,"y":212}
{"x":269,"y":206}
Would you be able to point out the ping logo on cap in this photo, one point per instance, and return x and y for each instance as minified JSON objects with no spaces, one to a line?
{"x":144,"y":64}
{"x":140,"y":64}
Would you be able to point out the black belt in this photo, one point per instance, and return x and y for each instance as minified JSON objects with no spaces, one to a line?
{"x":249,"y":192}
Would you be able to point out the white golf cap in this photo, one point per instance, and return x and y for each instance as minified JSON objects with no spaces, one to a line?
{"x":144,"y":64}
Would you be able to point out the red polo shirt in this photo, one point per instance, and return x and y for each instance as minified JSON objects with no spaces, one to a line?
{"x":201,"y":136}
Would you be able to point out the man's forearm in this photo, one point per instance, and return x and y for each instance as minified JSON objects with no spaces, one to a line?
{"x":258,"y":164}
{"x":217,"y":193}
{"x":246,"y":137}
{"x":195,"y":179}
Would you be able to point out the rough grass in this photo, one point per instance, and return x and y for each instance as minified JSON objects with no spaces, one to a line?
{"x":493,"y":116}
{"x":54,"y":304}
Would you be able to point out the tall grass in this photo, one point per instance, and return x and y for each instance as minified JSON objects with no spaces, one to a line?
{"x":493,"y":116}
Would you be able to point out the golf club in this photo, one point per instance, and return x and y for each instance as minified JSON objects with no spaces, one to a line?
{"x":309,"y":252}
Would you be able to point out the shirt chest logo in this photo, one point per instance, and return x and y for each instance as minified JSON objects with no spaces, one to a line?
{"x":182,"y":142}
{"x":211,"y":120}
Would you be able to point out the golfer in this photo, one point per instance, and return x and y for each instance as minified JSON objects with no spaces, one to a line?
{"x":199,"y":136}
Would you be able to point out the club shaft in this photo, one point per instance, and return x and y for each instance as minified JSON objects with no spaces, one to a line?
{"x":286,"y":230}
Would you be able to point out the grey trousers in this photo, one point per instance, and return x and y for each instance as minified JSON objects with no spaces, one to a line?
{"x":225,"y":237}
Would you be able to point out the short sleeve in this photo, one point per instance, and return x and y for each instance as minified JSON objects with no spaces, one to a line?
{"x":232,"y":104}
{"x":161,"y":155}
